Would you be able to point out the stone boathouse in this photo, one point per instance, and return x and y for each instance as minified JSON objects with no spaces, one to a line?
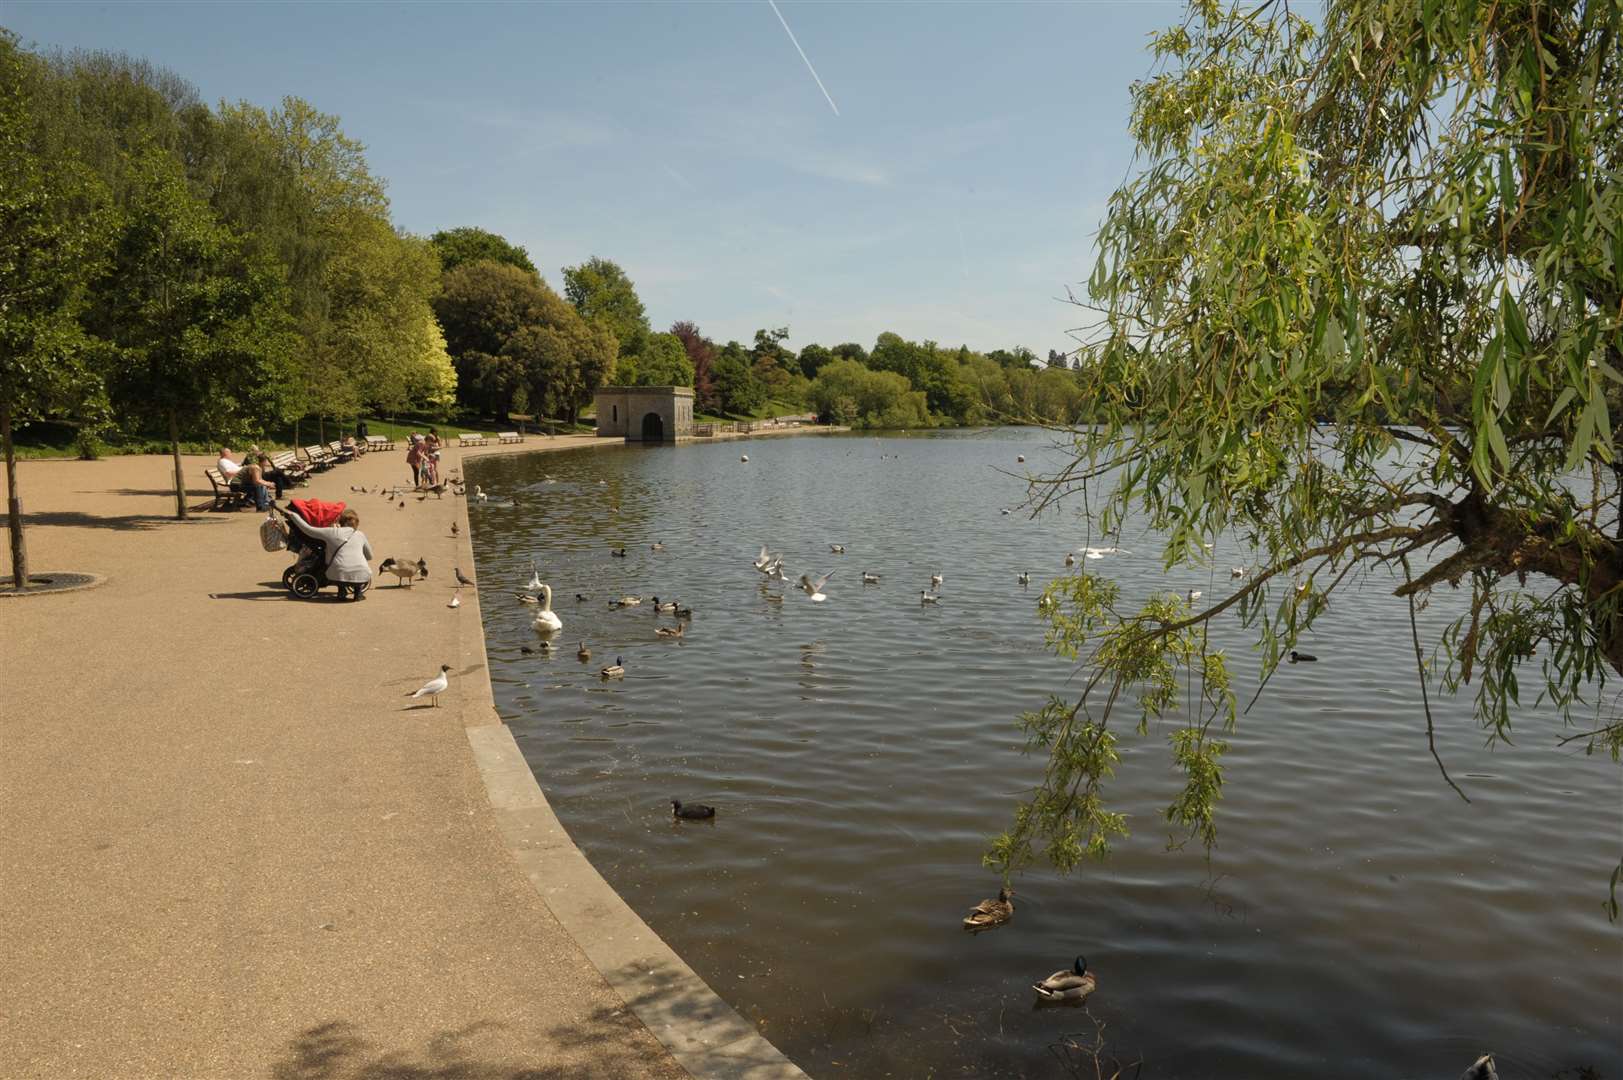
{"x":645,"y":413}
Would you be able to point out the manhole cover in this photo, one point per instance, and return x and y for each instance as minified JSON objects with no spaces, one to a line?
{"x":42,"y":583}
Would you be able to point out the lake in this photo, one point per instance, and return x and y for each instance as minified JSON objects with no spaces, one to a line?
{"x":1356,"y":918}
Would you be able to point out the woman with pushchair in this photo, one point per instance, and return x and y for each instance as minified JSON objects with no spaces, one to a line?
{"x":348,"y":553}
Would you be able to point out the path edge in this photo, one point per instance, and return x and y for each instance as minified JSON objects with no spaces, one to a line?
{"x":707,"y":1036}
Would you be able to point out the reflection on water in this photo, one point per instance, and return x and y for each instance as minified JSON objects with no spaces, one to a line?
{"x":1357,"y":920}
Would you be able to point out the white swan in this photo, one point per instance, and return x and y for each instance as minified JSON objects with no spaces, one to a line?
{"x":546,"y":621}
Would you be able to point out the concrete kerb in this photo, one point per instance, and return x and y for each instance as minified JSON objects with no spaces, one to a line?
{"x":707,"y":1036}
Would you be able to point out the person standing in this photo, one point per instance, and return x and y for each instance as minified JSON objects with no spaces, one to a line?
{"x":414,"y":458}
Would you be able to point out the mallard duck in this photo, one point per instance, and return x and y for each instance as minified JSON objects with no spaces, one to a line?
{"x":1072,"y":985}
{"x":615,"y":670}
{"x":526,"y":598}
{"x":837,"y":549}
{"x":869,"y":579}
{"x":626,"y":601}
{"x":1024,"y":578}
{"x":671,"y":631}
{"x":667,"y":606}
{"x":1481,"y":1069}
{"x":681,"y":612}
{"x":657,"y":546}
{"x":583,"y":654}
{"x":693,"y":812}
{"x":618,"y":553}
{"x":991,"y":913}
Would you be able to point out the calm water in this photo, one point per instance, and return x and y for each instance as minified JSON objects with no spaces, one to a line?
{"x":1357,"y":919}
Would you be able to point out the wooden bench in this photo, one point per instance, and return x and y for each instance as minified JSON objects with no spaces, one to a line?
{"x":317,"y":458}
{"x":467,"y":439}
{"x":339,"y":451}
{"x":226,"y":497}
{"x":510,"y":436}
{"x":379,"y":442}
{"x":293,"y":471}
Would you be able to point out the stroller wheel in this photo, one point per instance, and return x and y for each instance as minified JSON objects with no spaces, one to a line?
{"x":287,"y":576}
{"x":305,"y":585}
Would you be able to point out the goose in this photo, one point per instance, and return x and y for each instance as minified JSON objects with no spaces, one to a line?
{"x":928,"y":598}
{"x":436,"y":686}
{"x":615,"y":670}
{"x":583,"y":654}
{"x":836,"y":549}
{"x":1024,"y":578}
{"x":693,"y":812}
{"x":657,"y":546}
{"x":671,"y":631}
{"x":546,"y":620}
{"x":869,"y":579}
{"x":935,"y":581}
{"x":991,"y":913}
{"x":626,"y":601}
{"x":1481,"y":1069}
{"x":1302,"y":657}
{"x":1072,"y":985}
{"x":814,"y":589}
{"x":527,"y":598}
{"x":404,"y":570}
{"x":667,"y":606}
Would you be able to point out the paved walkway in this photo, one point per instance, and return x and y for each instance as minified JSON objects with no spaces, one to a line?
{"x":230,"y":848}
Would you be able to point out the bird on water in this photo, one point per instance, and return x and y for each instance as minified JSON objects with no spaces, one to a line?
{"x":1072,"y":985}
{"x":692,"y":812}
{"x":991,"y":913}
{"x":1302,"y":657}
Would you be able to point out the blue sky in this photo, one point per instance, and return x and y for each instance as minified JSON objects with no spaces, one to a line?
{"x":953,"y":197}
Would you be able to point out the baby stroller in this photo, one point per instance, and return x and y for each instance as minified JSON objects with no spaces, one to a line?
{"x":308,"y":574}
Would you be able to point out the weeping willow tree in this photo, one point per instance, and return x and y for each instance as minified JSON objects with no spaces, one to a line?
{"x":1361,"y":305}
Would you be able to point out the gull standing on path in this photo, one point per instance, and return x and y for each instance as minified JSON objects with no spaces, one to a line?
{"x":814,"y":589}
{"x":436,"y":686}
{"x":456,"y":598}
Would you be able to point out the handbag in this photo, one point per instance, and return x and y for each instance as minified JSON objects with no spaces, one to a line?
{"x":272,"y":533}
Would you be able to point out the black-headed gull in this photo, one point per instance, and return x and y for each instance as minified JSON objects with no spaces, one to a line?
{"x":436,"y":686}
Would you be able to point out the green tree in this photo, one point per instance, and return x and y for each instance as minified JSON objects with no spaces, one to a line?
{"x":53,"y":236}
{"x":197,"y":331}
{"x":602,"y":293}
{"x":663,"y":362}
{"x":1396,"y":227}
{"x":845,"y":392}
{"x":812,"y":358}
{"x":736,"y":387}
{"x":457,"y":247}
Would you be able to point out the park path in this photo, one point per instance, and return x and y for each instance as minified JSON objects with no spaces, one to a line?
{"x":230,"y":848}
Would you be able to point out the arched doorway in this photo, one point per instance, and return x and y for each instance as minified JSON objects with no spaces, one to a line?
{"x":653,"y":428}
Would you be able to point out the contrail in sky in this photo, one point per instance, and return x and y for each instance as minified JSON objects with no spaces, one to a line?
{"x":802,"y":53}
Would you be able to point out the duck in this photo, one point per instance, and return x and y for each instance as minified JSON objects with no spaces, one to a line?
{"x":928,"y":598}
{"x":581,"y":598}
{"x":404,"y":570}
{"x":991,"y":913}
{"x":935,"y":581}
{"x":869,"y":579}
{"x":668,"y":606}
{"x":527,"y":598}
{"x":657,"y":546}
{"x":626,"y":601}
{"x":1302,"y":657}
{"x":671,"y":631}
{"x":546,"y":620}
{"x":1024,"y":578}
{"x":836,"y":549}
{"x":692,"y":812}
{"x":583,"y":654}
{"x":1070,"y":558}
{"x":615,"y":670}
{"x":681,"y":612}
{"x":1020,"y":458}
{"x":1072,"y":985}
{"x":618,"y":553}
{"x":1481,"y":1069}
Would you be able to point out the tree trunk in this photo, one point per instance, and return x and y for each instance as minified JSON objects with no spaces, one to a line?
{"x":14,"y":506}
{"x":180,"y":479}
{"x":321,"y":430}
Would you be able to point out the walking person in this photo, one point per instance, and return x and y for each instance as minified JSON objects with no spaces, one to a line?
{"x":349,"y":553}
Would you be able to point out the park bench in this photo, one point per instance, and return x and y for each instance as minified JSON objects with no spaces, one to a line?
{"x":339,"y":451}
{"x":510,"y":437}
{"x":317,"y":458}
{"x":468,"y":439}
{"x":287,"y":463}
{"x":379,"y":442}
{"x":226,"y":497}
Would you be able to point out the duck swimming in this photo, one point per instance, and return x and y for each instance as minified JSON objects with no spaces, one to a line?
{"x":671,"y":631}
{"x":583,"y":654}
{"x":692,"y":812}
{"x":1302,"y":657}
{"x":991,"y":913}
{"x":1072,"y":985}
{"x":615,"y":670}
